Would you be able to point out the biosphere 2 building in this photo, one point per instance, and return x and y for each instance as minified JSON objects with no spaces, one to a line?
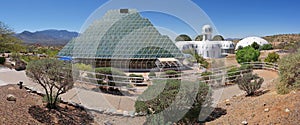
{"x":123,"y":39}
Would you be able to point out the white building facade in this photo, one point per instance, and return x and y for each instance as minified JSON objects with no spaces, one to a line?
{"x":206,"y":47}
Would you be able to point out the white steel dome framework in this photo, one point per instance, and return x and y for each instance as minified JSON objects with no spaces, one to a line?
{"x":249,"y":41}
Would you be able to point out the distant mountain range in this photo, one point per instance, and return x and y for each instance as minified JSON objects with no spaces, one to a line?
{"x":47,"y":37}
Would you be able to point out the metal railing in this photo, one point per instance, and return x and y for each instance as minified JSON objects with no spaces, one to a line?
{"x":219,"y":75}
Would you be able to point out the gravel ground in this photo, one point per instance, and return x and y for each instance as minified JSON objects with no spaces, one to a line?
{"x":16,"y":113}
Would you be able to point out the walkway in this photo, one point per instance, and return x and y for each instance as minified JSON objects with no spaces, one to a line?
{"x":100,"y":101}
{"x":89,"y":99}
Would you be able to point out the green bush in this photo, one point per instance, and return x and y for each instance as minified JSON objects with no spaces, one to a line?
{"x":289,"y":67}
{"x":152,"y":74}
{"x":110,"y":73}
{"x":272,"y":57}
{"x":247,"y":54}
{"x":2,"y":60}
{"x":82,"y":67}
{"x":255,"y":45}
{"x":246,"y":68}
{"x":167,"y":97}
{"x":172,"y":73}
{"x":266,"y":47}
{"x":232,"y":74}
{"x":205,"y":75}
{"x":249,"y":83}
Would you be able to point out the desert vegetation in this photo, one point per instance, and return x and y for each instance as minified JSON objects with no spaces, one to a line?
{"x":54,"y":76}
{"x":289,"y":67}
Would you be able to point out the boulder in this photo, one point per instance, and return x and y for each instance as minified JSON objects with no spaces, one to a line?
{"x":11,"y":97}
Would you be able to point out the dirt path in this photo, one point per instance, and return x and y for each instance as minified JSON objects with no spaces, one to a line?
{"x":231,"y":91}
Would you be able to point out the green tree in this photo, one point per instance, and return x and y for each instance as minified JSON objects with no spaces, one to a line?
{"x":199,"y":38}
{"x":249,"y":83}
{"x":218,"y":38}
{"x":54,"y":76}
{"x":2,"y":60}
{"x":9,"y":43}
{"x":247,"y":54}
{"x":272,"y":57}
{"x":266,"y":47}
{"x":4,"y":29}
{"x":255,"y":45}
{"x":183,"y":37}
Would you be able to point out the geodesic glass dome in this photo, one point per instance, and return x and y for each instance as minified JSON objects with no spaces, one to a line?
{"x":121,"y":35}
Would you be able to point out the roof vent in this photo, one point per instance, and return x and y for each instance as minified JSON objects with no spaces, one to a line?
{"x":124,"y":10}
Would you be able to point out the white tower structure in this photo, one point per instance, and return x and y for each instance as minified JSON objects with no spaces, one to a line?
{"x":207,"y":32}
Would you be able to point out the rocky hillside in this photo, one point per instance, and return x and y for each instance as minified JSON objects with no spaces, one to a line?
{"x":47,"y":37}
{"x":283,"y":38}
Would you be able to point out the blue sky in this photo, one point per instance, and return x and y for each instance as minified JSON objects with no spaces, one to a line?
{"x":232,"y":18}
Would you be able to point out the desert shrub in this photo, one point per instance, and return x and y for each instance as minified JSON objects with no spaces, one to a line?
{"x":249,"y":83}
{"x":167,"y":97}
{"x":152,"y":74}
{"x":137,"y":78}
{"x":272,"y":57}
{"x":111,"y":73}
{"x":232,"y":74}
{"x":205,"y":75}
{"x":246,"y":67}
{"x":54,"y":76}
{"x":282,"y":88}
{"x":266,"y":47}
{"x":289,"y":67}
{"x":247,"y":54}
{"x":172,"y":73}
{"x":82,"y":67}
{"x":2,"y":60}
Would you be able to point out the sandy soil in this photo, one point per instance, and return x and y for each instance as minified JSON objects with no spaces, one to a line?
{"x":266,"y":107}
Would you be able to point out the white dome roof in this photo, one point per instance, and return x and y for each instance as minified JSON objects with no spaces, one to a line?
{"x":250,"y":40}
{"x":227,"y":44}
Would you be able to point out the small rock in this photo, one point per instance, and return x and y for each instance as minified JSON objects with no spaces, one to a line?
{"x":107,"y":122}
{"x":267,"y":110}
{"x":125,"y":114}
{"x":11,"y":88}
{"x":11,"y":97}
{"x":287,"y":110}
{"x":244,"y":122}
{"x":119,"y":112}
{"x":227,"y":102}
